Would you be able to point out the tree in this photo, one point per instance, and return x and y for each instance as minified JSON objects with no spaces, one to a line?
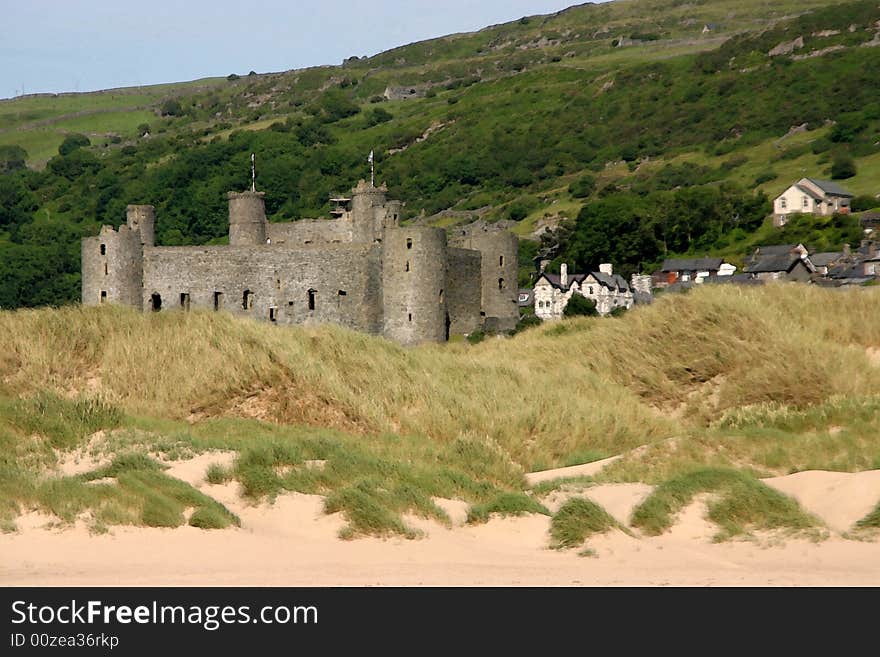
{"x":580,"y":306}
{"x":583,"y":186}
{"x":843,"y":167}
{"x":171,"y":107}
{"x":12,"y":158}
{"x":73,"y":142}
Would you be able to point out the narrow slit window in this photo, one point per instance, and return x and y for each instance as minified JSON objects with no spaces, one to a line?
{"x":103,"y":249}
{"x":409,"y":242}
{"x":441,"y":296}
{"x":410,"y":317}
{"x":312,"y":294}
{"x":247,"y":300}
{"x":218,"y":300}
{"x":103,"y":296}
{"x":407,"y":265}
{"x":273,"y":314}
{"x":500,"y":283}
{"x":156,"y":302}
{"x":278,"y":283}
{"x":184,"y":300}
{"x":501,"y":261}
{"x":106,"y":271}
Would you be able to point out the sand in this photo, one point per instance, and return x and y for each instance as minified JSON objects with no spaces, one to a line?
{"x":293,"y":543}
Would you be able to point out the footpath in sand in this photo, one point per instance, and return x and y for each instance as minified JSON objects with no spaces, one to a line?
{"x":293,"y":543}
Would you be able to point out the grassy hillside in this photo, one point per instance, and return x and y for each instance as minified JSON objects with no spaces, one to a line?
{"x":513,"y":119}
{"x":748,"y":379}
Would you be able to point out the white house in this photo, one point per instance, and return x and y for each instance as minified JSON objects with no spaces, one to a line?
{"x":607,"y":289}
{"x":810,"y":196}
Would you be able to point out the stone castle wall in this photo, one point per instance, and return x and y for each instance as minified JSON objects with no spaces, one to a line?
{"x":463,"y":291}
{"x":338,"y":284}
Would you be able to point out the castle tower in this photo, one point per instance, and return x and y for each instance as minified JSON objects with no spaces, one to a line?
{"x":247,"y":219}
{"x":413,"y":282}
{"x":498,"y":273}
{"x":142,"y":219}
{"x":112,"y":267}
{"x":371,"y":213}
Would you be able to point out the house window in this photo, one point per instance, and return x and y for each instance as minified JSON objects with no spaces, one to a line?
{"x":247,"y":300}
{"x":218,"y":300}
{"x":103,"y":249}
{"x":591,"y":289}
{"x":782,"y":203}
{"x":408,"y":242}
{"x":155,"y":302}
{"x":103,"y":296}
{"x":312,"y":294}
{"x":184,"y":300}
{"x":806,"y":202}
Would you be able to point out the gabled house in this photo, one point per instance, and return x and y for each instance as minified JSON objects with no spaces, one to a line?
{"x":787,"y":262}
{"x":684,"y":270}
{"x":810,"y":196}
{"x":607,"y":289}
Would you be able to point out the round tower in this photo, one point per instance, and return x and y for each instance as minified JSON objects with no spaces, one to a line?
{"x":413,"y":281}
{"x":247,"y":219}
{"x":368,"y":211}
{"x":142,"y":219}
{"x":112,"y":268}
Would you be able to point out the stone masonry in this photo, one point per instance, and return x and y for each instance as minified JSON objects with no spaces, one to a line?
{"x":360,"y":269}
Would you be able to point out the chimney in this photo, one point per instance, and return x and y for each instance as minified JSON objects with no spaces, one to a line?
{"x":563,"y":275}
{"x":847,"y":252}
{"x":606,"y":268}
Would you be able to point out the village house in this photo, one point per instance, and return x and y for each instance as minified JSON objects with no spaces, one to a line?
{"x":697,"y":270}
{"x":810,"y":196}
{"x":855,"y":268}
{"x":608,"y":290}
{"x":787,"y":262}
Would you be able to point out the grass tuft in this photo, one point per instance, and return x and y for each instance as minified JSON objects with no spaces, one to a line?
{"x":506,"y":504}
{"x":577,"y":520}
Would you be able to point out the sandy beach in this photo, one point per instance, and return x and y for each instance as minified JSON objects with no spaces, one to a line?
{"x":293,"y":543}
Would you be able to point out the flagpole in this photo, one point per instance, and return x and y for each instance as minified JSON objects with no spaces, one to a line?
{"x":372,"y":170}
{"x":253,"y":172}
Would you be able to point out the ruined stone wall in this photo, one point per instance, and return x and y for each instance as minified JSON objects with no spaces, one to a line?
{"x":414,"y":285}
{"x":247,"y":218}
{"x":112,"y":267}
{"x":338,"y":283}
{"x":498,"y":277}
{"x":463,"y":290}
{"x":142,"y":219}
{"x":310,"y":231}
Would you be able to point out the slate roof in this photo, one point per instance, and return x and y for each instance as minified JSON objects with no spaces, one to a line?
{"x":776,"y":249}
{"x":554,"y":280}
{"x":831,"y":188}
{"x":826,"y":258}
{"x":692,"y":264}
{"x":613,"y":281}
{"x":772,"y":263}
{"x":809,"y":192}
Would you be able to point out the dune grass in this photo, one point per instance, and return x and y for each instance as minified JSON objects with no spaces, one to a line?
{"x":577,"y":520}
{"x":506,"y":504}
{"x":743,"y":504}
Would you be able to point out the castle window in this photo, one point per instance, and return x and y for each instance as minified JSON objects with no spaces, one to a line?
{"x":500,"y":283}
{"x":156,"y":302}
{"x":409,"y":242}
{"x":218,"y":300}
{"x":105,"y":269}
{"x":184,"y":300}
{"x":441,"y":296}
{"x":278,"y":283}
{"x":501,"y":261}
{"x":103,"y":249}
{"x":103,"y":296}
{"x":312,"y":294}
{"x":407,"y":265}
{"x":410,"y":317}
{"x":247,"y":300}
{"x":273,"y":314}
{"x":342,"y":293}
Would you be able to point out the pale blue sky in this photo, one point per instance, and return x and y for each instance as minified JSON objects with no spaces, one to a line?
{"x":83,"y":45}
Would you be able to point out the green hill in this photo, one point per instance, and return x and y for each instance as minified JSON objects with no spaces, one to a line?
{"x":660,"y":118}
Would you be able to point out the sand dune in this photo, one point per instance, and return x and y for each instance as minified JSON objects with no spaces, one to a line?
{"x":292,"y":542}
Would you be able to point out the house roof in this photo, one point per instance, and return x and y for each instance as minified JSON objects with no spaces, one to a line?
{"x":612,"y":281}
{"x":809,"y":192}
{"x":826,"y":258}
{"x":555,"y":281}
{"x":776,"y":249}
{"x":772,"y":263}
{"x":692,"y":264}
{"x":831,"y":188}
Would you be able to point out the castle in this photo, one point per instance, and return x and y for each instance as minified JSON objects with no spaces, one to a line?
{"x":360,"y":269}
